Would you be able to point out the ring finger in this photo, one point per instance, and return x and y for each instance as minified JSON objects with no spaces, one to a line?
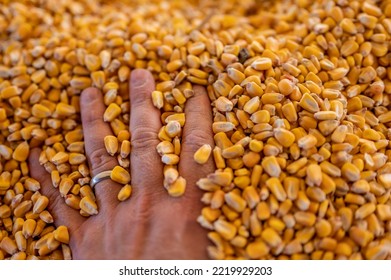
{"x":95,"y":130}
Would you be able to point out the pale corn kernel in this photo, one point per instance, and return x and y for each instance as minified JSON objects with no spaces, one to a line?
{"x":350,"y":172}
{"x":271,"y":166}
{"x":307,"y":142}
{"x":173,"y":128}
{"x":314,"y":175}
{"x":235,"y":201}
{"x":223,"y":104}
{"x":170,"y":159}
{"x":225,"y":229}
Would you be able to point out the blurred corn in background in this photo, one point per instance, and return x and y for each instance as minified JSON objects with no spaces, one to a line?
{"x":300,"y":92}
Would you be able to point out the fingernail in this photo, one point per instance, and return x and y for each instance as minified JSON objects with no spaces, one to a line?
{"x":89,"y":95}
{"x":138,"y":78}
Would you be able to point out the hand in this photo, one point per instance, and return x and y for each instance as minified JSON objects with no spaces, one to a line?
{"x":151,"y":224}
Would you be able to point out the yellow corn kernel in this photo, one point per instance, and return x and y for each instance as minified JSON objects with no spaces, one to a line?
{"x":252,"y":105}
{"x":271,"y":237}
{"x":308,"y":103}
{"x":41,"y":204}
{"x":170,"y":159}
{"x":177,"y":188}
{"x":120,"y":175}
{"x":221,"y":178}
{"x":286,"y":86}
{"x":225,"y":229}
{"x":365,"y":210}
{"x":235,"y":201}
{"x":125,"y":148}
{"x":223,"y":104}
{"x":8,"y":245}
{"x":275,"y":187}
{"x":88,"y":206}
{"x":21,"y":152}
{"x":233,"y":151}
{"x":112,"y":111}
{"x":360,"y":236}
{"x":202,"y":155}
{"x":314,"y":175}
{"x":176,"y":117}
{"x":350,"y":172}
{"x":305,"y":218}
{"x":284,"y":137}
{"x":157,"y":99}
{"x":111,"y":144}
{"x":125,"y":192}
{"x":307,"y":142}
{"x":256,"y":146}
{"x":61,"y":234}
{"x":261,"y":116}
{"x":289,"y":112}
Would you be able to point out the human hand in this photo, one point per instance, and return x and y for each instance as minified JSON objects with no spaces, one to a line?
{"x":151,"y":224}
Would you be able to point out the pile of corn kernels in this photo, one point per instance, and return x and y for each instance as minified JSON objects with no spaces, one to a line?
{"x":300,"y":93}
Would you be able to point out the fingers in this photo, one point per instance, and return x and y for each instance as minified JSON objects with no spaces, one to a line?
{"x":95,"y":130}
{"x":197,"y":132}
{"x":146,"y":166}
{"x":62,"y":213}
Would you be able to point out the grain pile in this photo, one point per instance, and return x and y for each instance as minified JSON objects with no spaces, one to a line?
{"x":300,"y":92}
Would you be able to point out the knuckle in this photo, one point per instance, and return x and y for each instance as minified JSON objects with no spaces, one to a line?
{"x":100,"y":160}
{"x":194,"y":139}
{"x":90,"y":118}
{"x":140,"y":98}
{"x":144,"y":139}
{"x":55,"y":200}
